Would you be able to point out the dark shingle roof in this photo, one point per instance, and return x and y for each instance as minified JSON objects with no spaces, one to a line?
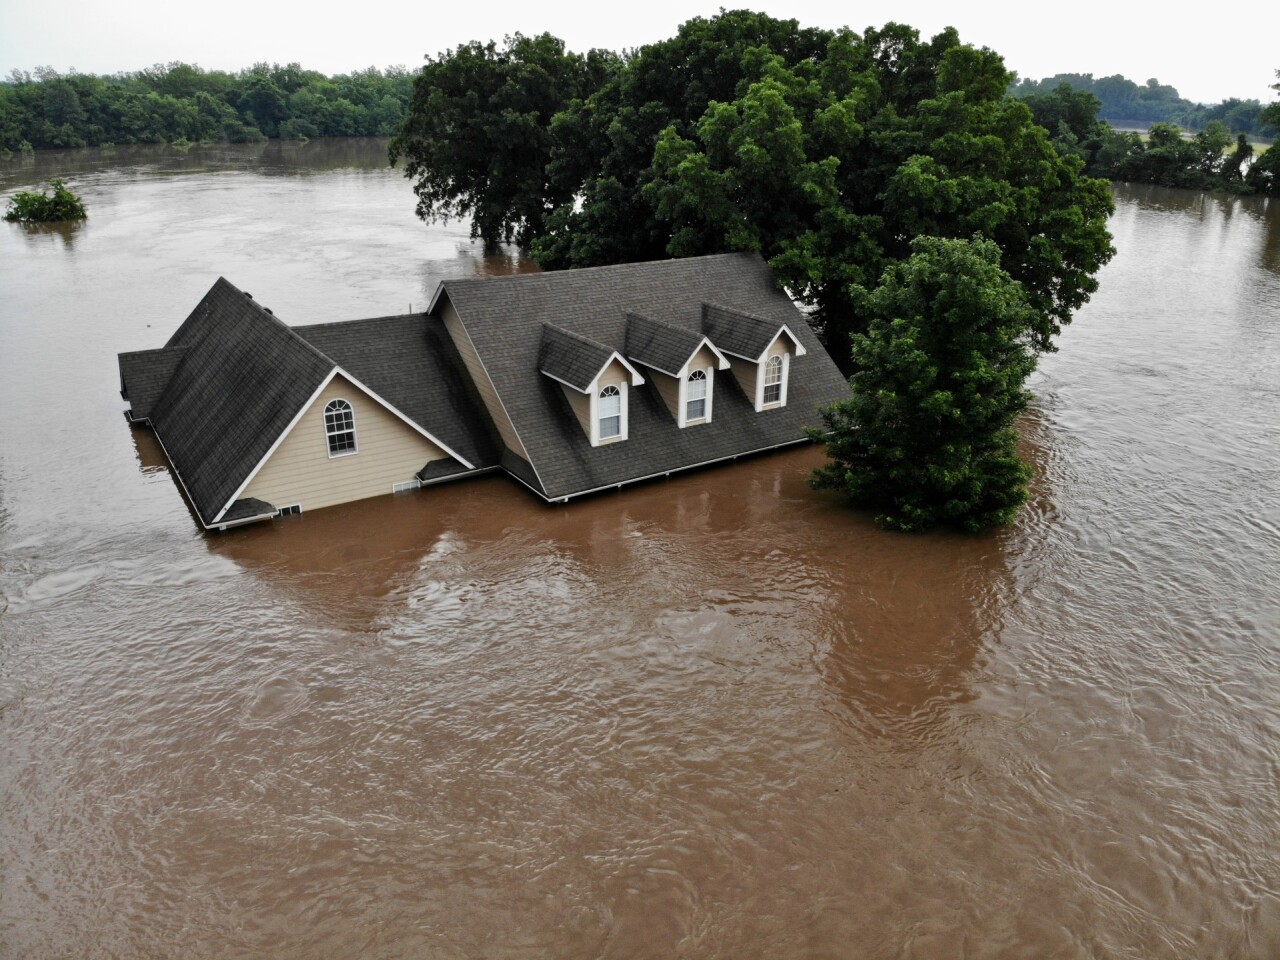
{"x":411,"y":363}
{"x":504,"y":317}
{"x":143,"y":376}
{"x":574,"y":359}
{"x":243,"y":378}
{"x":660,"y":345}
{"x":739,"y":332}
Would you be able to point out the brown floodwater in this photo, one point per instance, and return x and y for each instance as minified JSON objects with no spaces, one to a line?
{"x":721,"y":716}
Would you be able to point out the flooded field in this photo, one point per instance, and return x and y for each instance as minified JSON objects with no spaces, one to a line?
{"x":719,"y":716}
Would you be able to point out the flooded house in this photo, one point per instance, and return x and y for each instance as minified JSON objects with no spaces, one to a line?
{"x":571,"y":382}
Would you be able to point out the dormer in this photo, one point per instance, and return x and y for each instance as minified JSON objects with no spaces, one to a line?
{"x":682,"y":365}
{"x":759,"y":352}
{"x":596,"y":381}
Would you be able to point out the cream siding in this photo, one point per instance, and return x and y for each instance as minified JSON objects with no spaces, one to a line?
{"x":780,"y":347}
{"x":669,"y":389}
{"x":745,"y":373}
{"x":614,"y":373}
{"x":301,"y":471}
{"x":475,"y":369}
{"x":703,"y":360}
{"x":581,"y":404}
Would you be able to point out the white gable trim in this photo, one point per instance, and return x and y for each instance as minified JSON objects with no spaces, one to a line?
{"x":279,"y":440}
{"x":800,"y":350}
{"x":722,"y":362}
{"x":390,"y":409}
{"x":637,"y":378}
{"x":307,"y":406}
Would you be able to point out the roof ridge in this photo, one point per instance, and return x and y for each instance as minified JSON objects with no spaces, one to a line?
{"x":547,"y":274}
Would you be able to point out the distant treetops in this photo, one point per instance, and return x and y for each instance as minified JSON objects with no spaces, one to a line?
{"x":62,"y":205}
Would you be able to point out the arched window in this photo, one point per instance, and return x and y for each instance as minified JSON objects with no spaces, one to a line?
{"x":340,"y":428}
{"x":773,"y":381}
{"x":610,"y":412}
{"x":696,"y":396}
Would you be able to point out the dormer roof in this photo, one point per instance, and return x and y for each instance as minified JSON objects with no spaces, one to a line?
{"x":665,"y":347}
{"x":743,"y":334}
{"x":575,"y":360}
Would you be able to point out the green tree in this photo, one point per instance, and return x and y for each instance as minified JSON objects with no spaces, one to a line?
{"x":29,"y":207}
{"x":927,"y":438}
{"x":828,"y":163}
{"x":477,"y":138}
{"x":1264,"y":173}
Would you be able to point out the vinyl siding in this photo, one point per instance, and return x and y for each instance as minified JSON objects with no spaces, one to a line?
{"x":301,"y":470}
{"x":668,"y":388}
{"x":614,"y":373}
{"x":703,"y":360}
{"x":475,"y":369}
{"x":581,"y":404}
{"x":744,"y":371}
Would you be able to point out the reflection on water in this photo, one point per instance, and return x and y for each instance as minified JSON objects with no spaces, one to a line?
{"x":717,"y":716}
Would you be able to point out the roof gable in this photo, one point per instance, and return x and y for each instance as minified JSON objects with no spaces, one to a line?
{"x":242,"y":379}
{"x":744,"y":334}
{"x":664,"y":347}
{"x":412,"y":365}
{"x":575,"y":360}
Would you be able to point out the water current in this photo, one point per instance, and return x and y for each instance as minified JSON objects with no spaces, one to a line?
{"x":721,"y":716}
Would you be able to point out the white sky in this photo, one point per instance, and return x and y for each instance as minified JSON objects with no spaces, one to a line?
{"x":1205,"y":63}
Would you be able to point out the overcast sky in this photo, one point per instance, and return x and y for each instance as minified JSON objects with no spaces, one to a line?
{"x":1205,"y":63}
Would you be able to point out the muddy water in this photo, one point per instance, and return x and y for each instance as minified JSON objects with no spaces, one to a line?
{"x":720,"y":716}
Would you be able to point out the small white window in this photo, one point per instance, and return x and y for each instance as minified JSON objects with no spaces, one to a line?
{"x":773,"y":381}
{"x":610,"y":413}
{"x":696,"y":397}
{"x":407,"y":485}
{"x":340,"y":428}
{"x":290,"y":511}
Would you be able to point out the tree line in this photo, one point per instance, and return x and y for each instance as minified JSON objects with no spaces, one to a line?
{"x":1212,"y":159}
{"x":181,"y":103}
{"x":1123,"y":102}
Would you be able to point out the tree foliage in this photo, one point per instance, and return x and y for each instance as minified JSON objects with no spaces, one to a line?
{"x":927,"y":437}
{"x":179,"y":102}
{"x":1122,"y":101}
{"x":29,"y":207}
{"x":477,"y":140}
{"x":1264,"y":173}
{"x":826,"y":152}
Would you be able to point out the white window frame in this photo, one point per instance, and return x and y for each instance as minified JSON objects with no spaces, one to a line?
{"x":406,"y":486}
{"x":683,"y":394}
{"x":596,"y":390}
{"x":292,"y":510}
{"x":760,"y":384}
{"x":330,"y":434}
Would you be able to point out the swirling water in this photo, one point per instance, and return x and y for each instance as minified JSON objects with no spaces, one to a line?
{"x":720,"y":716}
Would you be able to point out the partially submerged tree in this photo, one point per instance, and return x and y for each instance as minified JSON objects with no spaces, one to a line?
{"x":826,"y":152}
{"x":927,"y":438}
{"x":43,"y":207}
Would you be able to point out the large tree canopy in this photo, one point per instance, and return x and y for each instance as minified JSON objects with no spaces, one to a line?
{"x":477,"y":140}
{"x":825,"y":151}
{"x":927,"y":437}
